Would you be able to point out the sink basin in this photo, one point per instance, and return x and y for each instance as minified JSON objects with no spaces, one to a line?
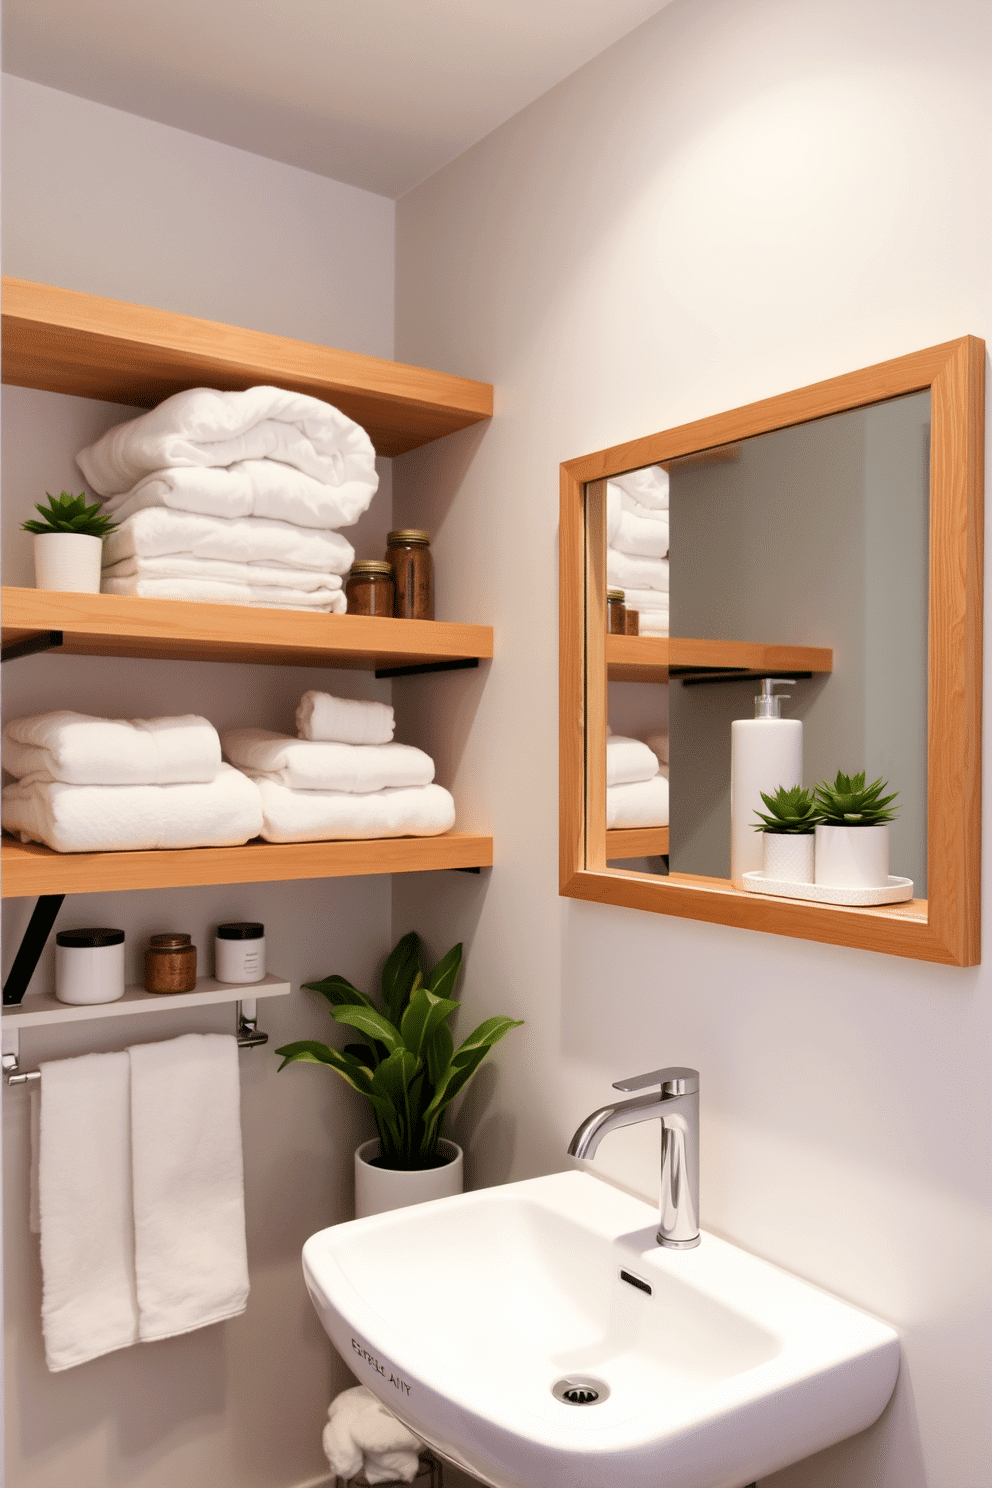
{"x":711,"y":1367}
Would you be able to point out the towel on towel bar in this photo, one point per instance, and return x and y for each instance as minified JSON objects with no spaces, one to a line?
{"x":249,"y":488}
{"x":204,"y":427}
{"x":632,"y":534}
{"x":88,"y":1303}
{"x":77,"y":749}
{"x":191,"y":1261}
{"x":254,"y":575}
{"x":361,"y":1435}
{"x":129,"y":818}
{"x":648,"y":486}
{"x":337,"y":720}
{"x":157,"y":532}
{"x":308,"y":764}
{"x":628,"y":761}
{"x":327,"y":816}
{"x":644,"y":804}
{"x":626,"y":572}
{"x":217,"y":591}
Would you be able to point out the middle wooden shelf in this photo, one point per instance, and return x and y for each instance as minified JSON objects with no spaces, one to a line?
{"x":661,"y":658}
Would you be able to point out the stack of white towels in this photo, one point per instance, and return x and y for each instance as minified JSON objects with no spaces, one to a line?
{"x":342,"y":777}
{"x":636,"y":781}
{"x":637,"y":544}
{"x":86,"y":784}
{"x":234,"y":498}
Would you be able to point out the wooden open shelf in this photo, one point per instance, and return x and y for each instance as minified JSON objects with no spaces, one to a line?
{"x":42,"y":1009}
{"x":659,"y":658}
{"x":121,"y":625}
{"x":636,"y":842}
{"x":62,"y":341}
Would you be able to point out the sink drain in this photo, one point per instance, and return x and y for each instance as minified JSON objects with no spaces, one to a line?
{"x":580,"y":1389}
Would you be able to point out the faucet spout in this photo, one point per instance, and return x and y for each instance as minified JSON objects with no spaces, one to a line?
{"x":608,"y":1118}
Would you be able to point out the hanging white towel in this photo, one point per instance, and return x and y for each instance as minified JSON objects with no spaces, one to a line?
{"x":191,"y":1260}
{"x":648,"y":486}
{"x":644,"y":804}
{"x":217,"y":591}
{"x":248,"y":488}
{"x":78,"y":749}
{"x":628,"y":761}
{"x":343,"y":720}
{"x":84,"y":1187}
{"x":157,"y":532}
{"x":325,"y":816}
{"x":624,"y":571}
{"x":308,"y":764}
{"x":361,"y":1435}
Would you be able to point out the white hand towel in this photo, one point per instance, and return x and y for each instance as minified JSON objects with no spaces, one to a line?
{"x":361,"y":1435}
{"x":217,"y":591}
{"x":155,"y":532}
{"x":249,"y":488}
{"x":84,"y":1180}
{"x":326,"y":816}
{"x":626,"y":572}
{"x":78,"y":749}
{"x":119,"y":818}
{"x":644,"y":804}
{"x":254,"y":575}
{"x":205,"y":427}
{"x":648,"y":487}
{"x":343,"y":720}
{"x":307,"y":764}
{"x":628,"y":760}
{"x":658,"y":744}
{"x":632,"y":534}
{"x":190,"y":1256}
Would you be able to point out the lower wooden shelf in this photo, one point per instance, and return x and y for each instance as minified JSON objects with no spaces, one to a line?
{"x":636,"y":842}
{"x":38,"y":1010}
{"x":28,"y":869}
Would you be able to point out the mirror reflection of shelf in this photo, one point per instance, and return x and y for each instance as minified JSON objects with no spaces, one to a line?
{"x":41,"y":1009}
{"x":659,"y":658}
{"x":636,"y":842}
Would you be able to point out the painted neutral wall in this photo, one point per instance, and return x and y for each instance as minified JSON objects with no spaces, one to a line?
{"x":742,"y":197}
{"x":100,"y":201}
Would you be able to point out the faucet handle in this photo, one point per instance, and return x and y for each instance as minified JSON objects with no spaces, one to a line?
{"x":675,"y":1080}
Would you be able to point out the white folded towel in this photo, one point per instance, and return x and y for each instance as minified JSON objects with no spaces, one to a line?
{"x":658,"y":744}
{"x":361,"y":1435}
{"x":254,"y":575}
{"x":343,"y":720}
{"x":190,"y":1256}
{"x":112,"y":818}
{"x":203,"y":427}
{"x":217,"y":591}
{"x":155,"y":532}
{"x":248,"y":488}
{"x":326,"y":816}
{"x":652,"y":622}
{"x":77,"y":749}
{"x":632,"y":534}
{"x":644,"y":804}
{"x":648,"y":487}
{"x":308,"y":764}
{"x":646,"y":599}
{"x":626,"y":572}
{"x":84,"y":1185}
{"x":628,"y":760}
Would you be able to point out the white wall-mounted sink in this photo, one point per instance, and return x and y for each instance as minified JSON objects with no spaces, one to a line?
{"x":463,"y":1314}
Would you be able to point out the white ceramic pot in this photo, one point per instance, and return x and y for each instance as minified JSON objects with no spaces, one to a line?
{"x":68,"y":560}
{"x":852,"y":857}
{"x":788,"y":856}
{"x":379,"y":1189}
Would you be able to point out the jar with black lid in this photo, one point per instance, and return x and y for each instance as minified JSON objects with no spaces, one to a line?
{"x":170,"y":963}
{"x":369,"y":588}
{"x":89,"y":965}
{"x":408,"y":553}
{"x":616,"y":613}
{"x":240,"y":951}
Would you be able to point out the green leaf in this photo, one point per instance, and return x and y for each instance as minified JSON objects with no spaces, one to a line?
{"x":437,"y":1053}
{"x":70,"y":514}
{"x":370,"y":1023}
{"x":442,"y":978}
{"x":466,"y":1060}
{"x":400,"y":974}
{"x":424,"y":1012}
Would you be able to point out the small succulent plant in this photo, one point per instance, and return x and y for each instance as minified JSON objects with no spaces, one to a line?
{"x":848,"y":802}
{"x":792,"y":811}
{"x":70,"y":514}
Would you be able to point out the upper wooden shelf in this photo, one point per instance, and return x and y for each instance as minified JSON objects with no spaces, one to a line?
{"x":658,"y":658}
{"x":62,"y":341}
{"x":636,"y":842}
{"x":175,"y":629}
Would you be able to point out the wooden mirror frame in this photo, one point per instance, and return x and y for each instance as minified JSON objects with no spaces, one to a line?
{"x":946,"y":927}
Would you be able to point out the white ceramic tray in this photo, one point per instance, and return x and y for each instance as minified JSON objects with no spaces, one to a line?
{"x":898,"y":890}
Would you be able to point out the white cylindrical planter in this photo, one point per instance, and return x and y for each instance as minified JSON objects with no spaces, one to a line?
{"x":68,"y":560}
{"x":853,"y":857}
{"x":379,"y":1189}
{"x":789,"y":856}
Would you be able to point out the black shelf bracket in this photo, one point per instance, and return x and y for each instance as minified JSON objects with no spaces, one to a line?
{"x":43,"y":640}
{"x":29,"y":951}
{"x":704,"y":678}
{"x":429,"y":666}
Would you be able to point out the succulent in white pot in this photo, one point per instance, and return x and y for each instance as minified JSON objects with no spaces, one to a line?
{"x":68,"y":543}
{"x":788,"y":828}
{"x":852,"y":832}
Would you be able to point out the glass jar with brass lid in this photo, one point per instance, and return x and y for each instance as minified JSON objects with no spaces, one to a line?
{"x":369,"y":589}
{"x":616,"y":613}
{"x":408,"y":554}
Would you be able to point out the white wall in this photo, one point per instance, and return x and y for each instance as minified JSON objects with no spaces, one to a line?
{"x":741,"y":197}
{"x":99,"y":201}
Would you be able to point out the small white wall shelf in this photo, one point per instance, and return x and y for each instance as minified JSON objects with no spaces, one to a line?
{"x":36,"y":1011}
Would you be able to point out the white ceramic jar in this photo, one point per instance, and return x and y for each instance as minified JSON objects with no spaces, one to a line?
{"x":239,"y":950}
{"x":89,"y":965}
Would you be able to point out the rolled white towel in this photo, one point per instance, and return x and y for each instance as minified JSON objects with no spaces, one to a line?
{"x":77,"y":749}
{"x":628,"y":760}
{"x":259,"y":489}
{"x":325,"y":816}
{"x":130,"y":818}
{"x":658,"y":744}
{"x":361,"y":1435}
{"x":343,"y":720}
{"x":251,"y":575}
{"x":632,"y":534}
{"x":644,"y":804}
{"x":218,"y":591}
{"x":308,"y":764}
{"x":626,"y":572}
{"x":156,"y":531}
{"x":205,"y":427}
{"x":648,"y":486}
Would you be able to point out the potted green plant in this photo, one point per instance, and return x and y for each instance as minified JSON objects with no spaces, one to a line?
{"x":68,"y":543}
{"x":852,"y":832}
{"x":408,"y":1069}
{"x":788,"y":827}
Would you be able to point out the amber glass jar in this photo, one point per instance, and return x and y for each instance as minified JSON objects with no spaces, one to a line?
{"x":616,"y":614}
{"x":170,"y":964}
{"x":369,"y":589}
{"x":632,"y":622}
{"x":409,"y":556}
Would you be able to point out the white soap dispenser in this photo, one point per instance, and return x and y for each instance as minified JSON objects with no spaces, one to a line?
{"x":766,"y":751}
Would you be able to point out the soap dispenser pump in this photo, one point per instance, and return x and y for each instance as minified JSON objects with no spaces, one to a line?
{"x":766,"y":751}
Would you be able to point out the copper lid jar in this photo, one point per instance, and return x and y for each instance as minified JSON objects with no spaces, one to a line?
{"x":408,"y":553}
{"x":170,"y":964}
{"x":616,"y":613}
{"x":369,"y":589}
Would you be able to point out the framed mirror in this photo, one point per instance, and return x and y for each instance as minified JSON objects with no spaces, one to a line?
{"x":832,"y":536}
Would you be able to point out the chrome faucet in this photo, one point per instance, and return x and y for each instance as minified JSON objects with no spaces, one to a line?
{"x":676,"y":1104}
